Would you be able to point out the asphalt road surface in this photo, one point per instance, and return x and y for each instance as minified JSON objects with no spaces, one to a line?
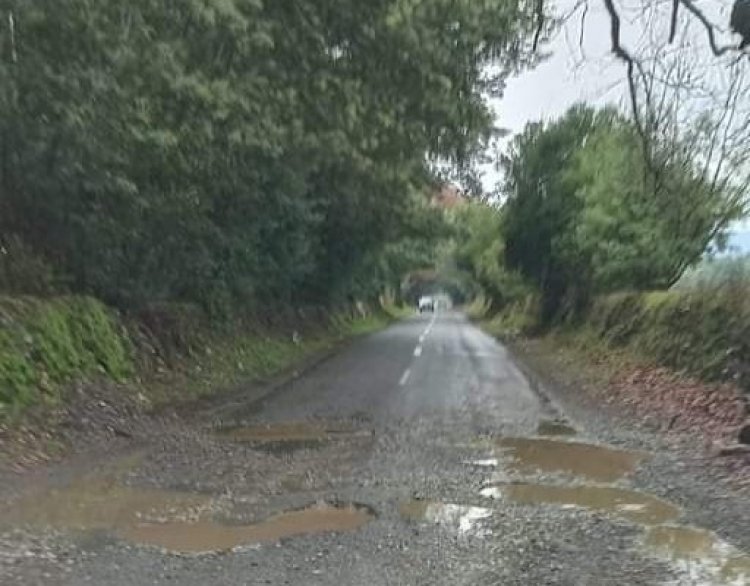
{"x":399,"y":460}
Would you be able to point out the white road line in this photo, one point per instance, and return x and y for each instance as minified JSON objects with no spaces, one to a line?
{"x":418,"y":351}
{"x":404,"y":377}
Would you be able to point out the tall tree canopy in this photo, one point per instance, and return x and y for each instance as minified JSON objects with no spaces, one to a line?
{"x":220,"y":150}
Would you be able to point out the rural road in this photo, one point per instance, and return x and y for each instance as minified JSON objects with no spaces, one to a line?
{"x":420,"y":455}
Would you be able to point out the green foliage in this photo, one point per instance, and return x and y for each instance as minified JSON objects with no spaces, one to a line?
{"x":22,"y":272}
{"x":704,"y":332}
{"x":585,"y":214}
{"x":479,"y":251}
{"x":542,"y":206}
{"x":518,"y":317}
{"x":637,"y":230}
{"x":46,"y":343}
{"x":211,"y":360}
{"x":235,"y":152}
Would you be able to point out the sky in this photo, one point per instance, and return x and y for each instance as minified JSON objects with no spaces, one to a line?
{"x":587,"y":71}
{"x":571,"y":74}
{"x":579,"y":68}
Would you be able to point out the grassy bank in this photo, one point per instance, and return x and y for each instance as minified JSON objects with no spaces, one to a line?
{"x":705,"y":332}
{"x":45,"y":344}
{"x":702,"y":332}
{"x":164,"y":354}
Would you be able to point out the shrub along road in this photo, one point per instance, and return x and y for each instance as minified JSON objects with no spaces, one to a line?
{"x":417,"y":455}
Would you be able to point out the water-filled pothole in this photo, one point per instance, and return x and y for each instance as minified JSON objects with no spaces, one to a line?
{"x":102,"y":503}
{"x":203,"y":536}
{"x":634,"y":506}
{"x":594,"y":462}
{"x":287,"y":437}
{"x":554,"y":428}
{"x":700,"y":553}
{"x":462,"y":519}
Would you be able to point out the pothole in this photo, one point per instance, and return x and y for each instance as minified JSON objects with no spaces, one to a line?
{"x":631,"y":505}
{"x":700,"y":553}
{"x":554,"y":428}
{"x":599,"y":463}
{"x":102,"y":503}
{"x":462,"y":519}
{"x":204,"y":536}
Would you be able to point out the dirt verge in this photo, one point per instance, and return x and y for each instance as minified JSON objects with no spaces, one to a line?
{"x":681,"y":421}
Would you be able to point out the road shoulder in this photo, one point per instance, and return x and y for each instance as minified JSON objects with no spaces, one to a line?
{"x":713,"y":491}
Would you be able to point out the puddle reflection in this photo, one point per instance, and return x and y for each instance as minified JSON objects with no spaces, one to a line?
{"x":628,"y":504}
{"x":463,"y":519}
{"x":700,"y":554}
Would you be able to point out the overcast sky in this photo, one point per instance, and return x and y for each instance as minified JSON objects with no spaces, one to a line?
{"x":589,"y":72}
{"x":571,"y":74}
{"x":574,"y":73}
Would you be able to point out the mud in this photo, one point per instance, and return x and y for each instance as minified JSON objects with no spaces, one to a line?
{"x":548,"y":427}
{"x":631,"y":505}
{"x":208,"y":536}
{"x":700,"y":553}
{"x":100,"y":501}
{"x":462,"y":519}
{"x":594,"y":462}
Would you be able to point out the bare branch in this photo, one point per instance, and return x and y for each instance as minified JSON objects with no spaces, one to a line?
{"x":717,"y":50}
{"x":539,"y":11}
{"x":584,"y":14}
{"x":673,"y":23}
{"x":625,"y":56}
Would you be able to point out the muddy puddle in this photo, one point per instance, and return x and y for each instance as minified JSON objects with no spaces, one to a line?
{"x":548,"y":427}
{"x":204,"y":536}
{"x":172,"y":520}
{"x":594,"y":462}
{"x":462,"y":519}
{"x":700,"y":554}
{"x":96,"y":502}
{"x":631,"y":505}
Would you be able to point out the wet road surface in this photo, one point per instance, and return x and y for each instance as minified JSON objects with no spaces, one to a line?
{"x":418,"y":455}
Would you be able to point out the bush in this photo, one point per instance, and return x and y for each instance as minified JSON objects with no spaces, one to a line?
{"x":22,"y":271}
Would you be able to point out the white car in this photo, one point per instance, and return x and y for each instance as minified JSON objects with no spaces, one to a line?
{"x":426,"y":303}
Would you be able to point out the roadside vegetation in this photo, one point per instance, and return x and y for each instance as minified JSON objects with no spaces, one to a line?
{"x":170,"y":355}
{"x":194,"y":170}
{"x":227,"y":160}
{"x":592,"y":242}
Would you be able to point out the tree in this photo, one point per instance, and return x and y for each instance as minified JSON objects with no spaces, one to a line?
{"x":232,"y":152}
{"x":585,"y":212}
{"x":542,"y":205}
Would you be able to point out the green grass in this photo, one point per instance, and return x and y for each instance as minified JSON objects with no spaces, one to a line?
{"x":228,"y":361}
{"x":703,"y":332}
{"x":45,"y":344}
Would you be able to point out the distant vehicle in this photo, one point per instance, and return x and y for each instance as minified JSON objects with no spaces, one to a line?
{"x":426,"y":303}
